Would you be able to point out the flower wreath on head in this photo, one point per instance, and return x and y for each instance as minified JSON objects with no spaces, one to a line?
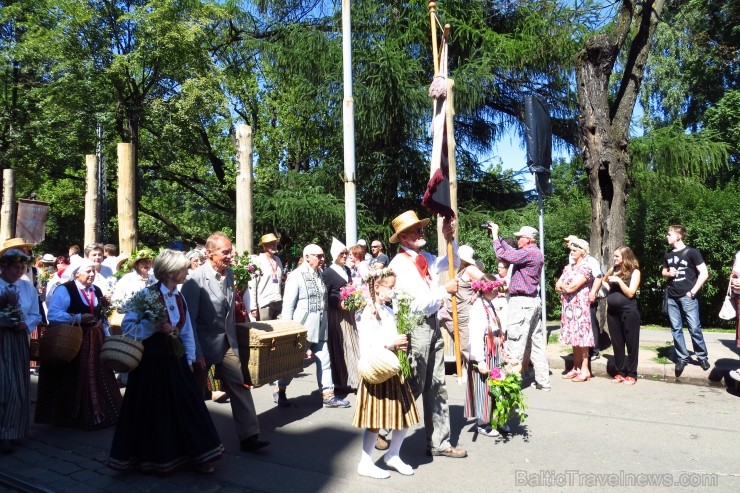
{"x":483,"y":286}
{"x":378,"y":274}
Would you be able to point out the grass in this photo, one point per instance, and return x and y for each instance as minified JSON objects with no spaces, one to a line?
{"x":553,"y":338}
{"x":663,"y":352}
{"x":704,"y":329}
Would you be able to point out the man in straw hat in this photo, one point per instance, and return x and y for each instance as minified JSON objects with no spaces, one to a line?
{"x":266,"y":301}
{"x":418,"y":274}
{"x":525,"y":309}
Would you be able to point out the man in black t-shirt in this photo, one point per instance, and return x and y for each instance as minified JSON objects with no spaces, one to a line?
{"x":686,"y":272}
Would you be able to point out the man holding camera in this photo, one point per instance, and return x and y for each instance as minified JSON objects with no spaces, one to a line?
{"x":525,"y":310}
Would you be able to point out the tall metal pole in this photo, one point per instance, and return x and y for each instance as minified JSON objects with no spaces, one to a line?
{"x":348,"y":117}
{"x":543,"y":293}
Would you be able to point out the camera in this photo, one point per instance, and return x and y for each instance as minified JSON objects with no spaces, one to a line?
{"x":486,"y":225}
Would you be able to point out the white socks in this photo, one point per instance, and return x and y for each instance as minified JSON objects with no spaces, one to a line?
{"x":367,"y":467}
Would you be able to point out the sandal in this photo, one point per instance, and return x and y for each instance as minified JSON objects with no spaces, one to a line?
{"x":571,"y":374}
{"x":630,"y":381}
{"x":583,"y":377}
{"x":618,"y":379}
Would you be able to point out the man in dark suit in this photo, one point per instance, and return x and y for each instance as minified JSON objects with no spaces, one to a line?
{"x":209,"y":294}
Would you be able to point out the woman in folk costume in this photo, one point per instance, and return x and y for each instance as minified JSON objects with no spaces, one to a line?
{"x":342,"y":332}
{"x":19,"y":316}
{"x":486,"y":346}
{"x":164,"y":424}
{"x":136,"y":277}
{"x":388,"y":405}
{"x":82,"y":393}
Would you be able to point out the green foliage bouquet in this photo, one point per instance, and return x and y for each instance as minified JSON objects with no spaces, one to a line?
{"x":245,"y":268}
{"x":406,"y":319}
{"x":506,"y":390}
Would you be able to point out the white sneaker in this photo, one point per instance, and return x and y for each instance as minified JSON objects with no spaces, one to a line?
{"x":399,"y":465}
{"x":735,"y":375}
{"x":370,"y":470}
{"x":488,"y":431}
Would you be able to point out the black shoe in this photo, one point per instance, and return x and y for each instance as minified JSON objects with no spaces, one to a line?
{"x":253,"y":443}
{"x":680,"y":365}
{"x":595,"y":355}
{"x":280,"y":399}
{"x":704,"y":363}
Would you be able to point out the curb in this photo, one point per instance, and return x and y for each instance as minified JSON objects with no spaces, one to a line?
{"x":692,"y":375}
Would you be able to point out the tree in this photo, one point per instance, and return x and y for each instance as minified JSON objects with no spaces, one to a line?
{"x":606,"y":111}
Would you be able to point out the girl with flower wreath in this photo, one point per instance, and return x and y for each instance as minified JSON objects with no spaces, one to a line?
{"x":164,"y":424}
{"x":390,"y":404}
{"x":486,"y":347}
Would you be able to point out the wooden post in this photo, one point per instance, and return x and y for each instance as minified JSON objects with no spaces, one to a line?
{"x":128,"y":235}
{"x":91,"y":199}
{"x":244,"y":230}
{"x":8,"y":208}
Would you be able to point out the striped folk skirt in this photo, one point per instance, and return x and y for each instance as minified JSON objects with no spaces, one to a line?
{"x":387,"y":405}
{"x":478,"y":398}
{"x":14,"y":384}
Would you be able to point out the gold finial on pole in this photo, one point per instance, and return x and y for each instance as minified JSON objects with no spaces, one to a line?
{"x":435,"y":47}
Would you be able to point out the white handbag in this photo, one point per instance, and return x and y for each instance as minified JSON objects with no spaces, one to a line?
{"x":727,"y":312}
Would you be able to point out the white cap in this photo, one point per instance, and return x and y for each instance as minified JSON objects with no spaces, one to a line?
{"x":362,"y":242}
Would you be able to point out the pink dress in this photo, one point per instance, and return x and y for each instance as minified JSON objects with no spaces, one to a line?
{"x":575,"y":320}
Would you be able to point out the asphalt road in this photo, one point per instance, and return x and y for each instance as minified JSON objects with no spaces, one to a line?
{"x":592,"y":436}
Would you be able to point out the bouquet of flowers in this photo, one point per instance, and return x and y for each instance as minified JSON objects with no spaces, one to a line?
{"x":104,"y":308}
{"x":148,"y":305}
{"x":10,"y":308}
{"x":353,"y":298}
{"x":245,"y":268}
{"x":506,"y":389}
{"x":406,"y":320}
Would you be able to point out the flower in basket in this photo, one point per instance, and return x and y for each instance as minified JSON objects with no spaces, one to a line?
{"x":245,"y":268}
{"x":508,"y":400}
{"x":11,"y":314}
{"x":353,"y":298}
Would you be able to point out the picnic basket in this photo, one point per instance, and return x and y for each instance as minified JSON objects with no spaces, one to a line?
{"x":276,"y":349}
{"x":121,"y":353}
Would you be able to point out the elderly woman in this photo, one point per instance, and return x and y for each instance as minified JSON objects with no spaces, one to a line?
{"x":82,"y":393}
{"x":136,"y":279}
{"x":164,"y":424}
{"x":103,"y":274}
{"x":196,"y":258}
{"x":574,"y":286}
{"x":344,"y":346}
{"x":19,"y":316}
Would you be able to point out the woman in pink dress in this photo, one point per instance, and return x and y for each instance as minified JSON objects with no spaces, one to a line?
{"x":575,"y":321}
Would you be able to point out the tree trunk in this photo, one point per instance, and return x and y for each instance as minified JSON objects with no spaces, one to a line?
{"x":604,"y":117}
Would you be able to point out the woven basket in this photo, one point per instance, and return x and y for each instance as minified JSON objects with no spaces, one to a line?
{"x":378,"y":365}
{"x":59,"y":344}
{"x":121,"y":353}
{"x":276,"y":349}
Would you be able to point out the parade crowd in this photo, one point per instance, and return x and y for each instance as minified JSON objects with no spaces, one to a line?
{"x":374,"y":328}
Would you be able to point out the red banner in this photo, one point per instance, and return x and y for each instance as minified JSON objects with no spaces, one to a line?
{"x":30,"y":223}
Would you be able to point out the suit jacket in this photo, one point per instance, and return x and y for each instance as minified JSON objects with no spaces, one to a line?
{"x":211,"y":313}
{"x":304,"y":301}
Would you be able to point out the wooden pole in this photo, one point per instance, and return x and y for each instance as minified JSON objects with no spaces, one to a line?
{"x":8,"y":208}
{"x":128,"y":236}
{"x":435,"y":47}
{"x":91,"y":199}
{"x":244,"y":224}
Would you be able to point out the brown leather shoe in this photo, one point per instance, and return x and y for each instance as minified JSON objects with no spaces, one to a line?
{"x":381,"y":443}
{"x":453,"y":452}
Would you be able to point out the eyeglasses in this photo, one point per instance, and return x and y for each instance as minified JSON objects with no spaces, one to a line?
{"x":317,"y":255}
{"x":375,"y":246}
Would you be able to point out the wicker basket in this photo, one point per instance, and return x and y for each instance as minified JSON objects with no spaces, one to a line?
{"x":60,"y":344}
{"x":276,"y":349}
{"x":121,"y":353}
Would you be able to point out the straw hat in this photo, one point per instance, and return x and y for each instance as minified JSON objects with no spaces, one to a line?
{"x":405,"y":221}
{"x":268,"y":238}
{"x":466,"y":254}
{"x":122,"y":260}
{"x":48,"y":259}
{"x":15,"y":243}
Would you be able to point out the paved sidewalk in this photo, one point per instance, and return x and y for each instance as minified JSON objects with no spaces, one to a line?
{"x":657,"y":358}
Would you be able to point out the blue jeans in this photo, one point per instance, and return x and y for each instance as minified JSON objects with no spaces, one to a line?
{"x":678,"y":310}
